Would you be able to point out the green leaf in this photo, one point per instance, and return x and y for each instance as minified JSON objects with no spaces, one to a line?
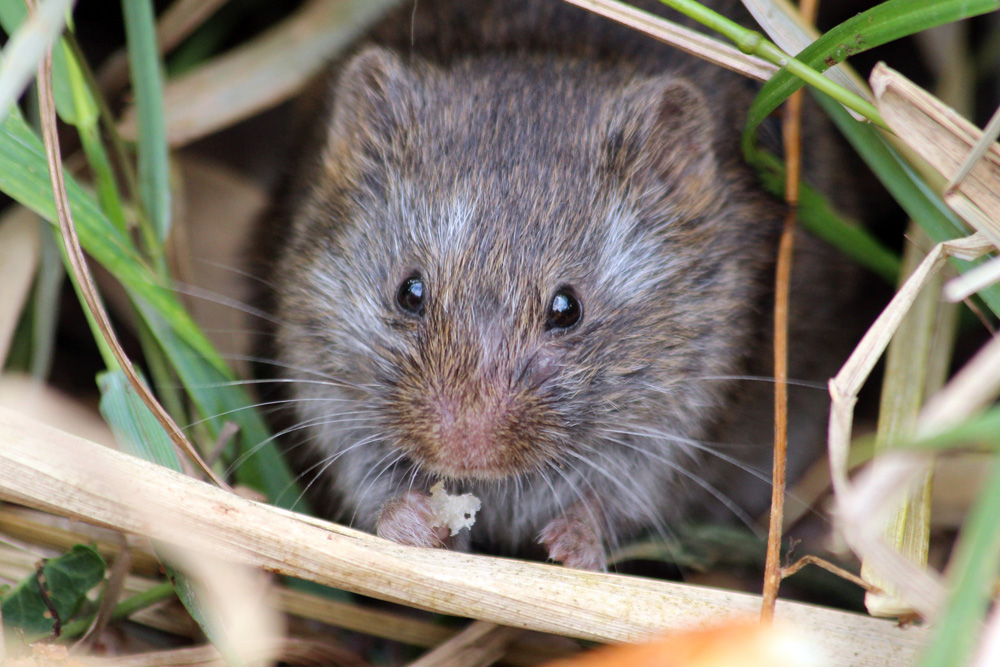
{"x":818,"y":216}
{"x":147,"y":84}
{"x":136,"y":429}
{"x":260,"y":465}
{"x":879,"y":25}
{"x":886,"y":22}
{"x":67,"y":579}
{"x":971,"y":575}
{"x":12,"y":14}
{"x":922,"y":204}
{"x":24,"y":177}
{"x":981,"y":430}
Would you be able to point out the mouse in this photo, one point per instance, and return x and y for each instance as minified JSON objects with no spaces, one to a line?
{"x":520,"y":253}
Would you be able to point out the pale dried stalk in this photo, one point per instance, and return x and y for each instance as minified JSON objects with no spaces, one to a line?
{"x":857,"y":504}
{"x":685,"y":39}
{"x":973,"y":280}
{"x":51,"y":470}
{"x":903,"y":390}
{"x":990,"y":134}
{"x":298,"y":651}
{"x":176,"y":23}
{"x":944,"y":139}
{"x":260,"y":74}
{"x":26,"y":47}
{"x":20,"y":247}
{"x":972,"y":389}
{"x":479,"y":645}
{"x":381,"y":623}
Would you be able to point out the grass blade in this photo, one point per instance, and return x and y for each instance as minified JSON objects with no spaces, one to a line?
{"x":147,"y":84}
{"x":27,"y":45}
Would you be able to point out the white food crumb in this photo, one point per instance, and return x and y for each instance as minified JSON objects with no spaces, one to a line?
{"x":455,"y":512}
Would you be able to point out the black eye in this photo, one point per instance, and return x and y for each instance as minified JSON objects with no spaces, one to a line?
{"x":410,"y":295}
{"x":564,"y":311}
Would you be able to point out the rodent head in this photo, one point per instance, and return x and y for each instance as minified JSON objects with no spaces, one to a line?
{"x":514,"y":258}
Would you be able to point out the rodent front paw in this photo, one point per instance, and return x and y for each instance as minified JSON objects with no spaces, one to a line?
{"x":575,"y":542}
{"x":408,"y":520}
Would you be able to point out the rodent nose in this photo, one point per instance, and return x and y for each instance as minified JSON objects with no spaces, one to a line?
{"x":467,"y":435}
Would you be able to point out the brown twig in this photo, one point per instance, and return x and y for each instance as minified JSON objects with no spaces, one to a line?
{"x":791,"y":130}
{"x":78,"y":264}
{"x":46,"y":600}
{"x":480,"y":644}
{"x":112,"y":593}
{"x":829,"y":567}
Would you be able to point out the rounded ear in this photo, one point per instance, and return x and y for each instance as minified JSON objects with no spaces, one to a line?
{"x":663,"y":128}
{"x":371,"y":98}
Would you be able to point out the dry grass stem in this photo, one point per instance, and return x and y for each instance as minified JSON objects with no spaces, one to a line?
{"x":295,"y":651}
{"x":110,"y":595}
{"x":944,"y":139}
{"x":972,"y":389}
{"x":78,"y":266}
{"x":20,"y":246}
{"x":260,"y":74}
{"x":51,"y":470}
{"x":479,"y":645}
{"x":26,"y":47}
{"x":973,"y":280}
{"x":685,"y":39}
{"x":792,"y":134}
{"x":829,"y":567}
{"x":908,"y":379}
{"x":860,"y":525}
{"x":176,"y":23}
{"x":990,"y":134}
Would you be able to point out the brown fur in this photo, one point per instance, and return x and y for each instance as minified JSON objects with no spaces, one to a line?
{"x":505,"y":150}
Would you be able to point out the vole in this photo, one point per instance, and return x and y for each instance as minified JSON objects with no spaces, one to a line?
{"x":521,"y":254}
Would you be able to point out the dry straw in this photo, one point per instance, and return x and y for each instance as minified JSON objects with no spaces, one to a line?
{"x":51,"y":470}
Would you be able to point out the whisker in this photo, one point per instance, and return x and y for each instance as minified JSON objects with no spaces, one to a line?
{"x":203,"y":294}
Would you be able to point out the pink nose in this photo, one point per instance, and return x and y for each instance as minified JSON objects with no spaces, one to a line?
{"x":467,"y":435}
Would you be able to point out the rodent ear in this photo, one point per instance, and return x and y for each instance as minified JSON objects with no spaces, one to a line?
{"x":664,"y":129}
{"x":370,"y":100}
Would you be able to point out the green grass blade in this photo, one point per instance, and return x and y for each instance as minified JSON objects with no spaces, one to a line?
{"x":971,"y":573}
{"x":817,"y":215}
{"x":136,"y":430}
{"x":981,"y":430}
{"x":87,"y":122}
{"x":147,"y":84}
{"x":28,"y":43}
{"x":922,"y":204}
{"x":45,"y":302}
{"x":879,"y":25}
{"x":24,"y":177}
{"x":218,"y":400}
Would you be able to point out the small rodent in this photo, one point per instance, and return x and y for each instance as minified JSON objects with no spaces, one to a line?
{"x":521,"y":254}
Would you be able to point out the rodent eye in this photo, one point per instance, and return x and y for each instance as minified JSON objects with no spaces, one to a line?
{"x":565,"y":310}
{"x":410,"y":295}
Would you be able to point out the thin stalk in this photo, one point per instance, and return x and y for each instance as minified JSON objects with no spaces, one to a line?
{"x":78,"y":264}
{"x":124,"y":609}
{"x":753,"y":43}
{"x":87,"y":126}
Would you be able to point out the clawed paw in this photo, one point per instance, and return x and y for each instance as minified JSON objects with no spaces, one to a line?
{"x":575,"y":542}
{"x":408,"y":520}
